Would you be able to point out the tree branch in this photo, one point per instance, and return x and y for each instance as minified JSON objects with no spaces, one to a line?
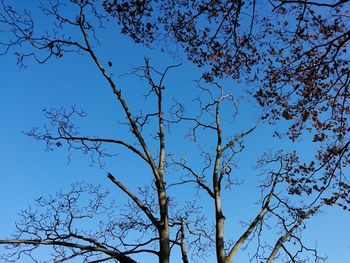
{"x":117,"y":255}
{"x":137,"y":201}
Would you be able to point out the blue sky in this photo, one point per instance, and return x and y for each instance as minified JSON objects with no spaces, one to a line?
{"x":28,"y":171}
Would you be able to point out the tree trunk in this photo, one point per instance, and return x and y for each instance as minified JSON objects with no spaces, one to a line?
{"x":220,"y":252}
{"x":164,"y":249}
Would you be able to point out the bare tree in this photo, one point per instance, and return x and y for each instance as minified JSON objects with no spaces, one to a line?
{"x":303,"y":79}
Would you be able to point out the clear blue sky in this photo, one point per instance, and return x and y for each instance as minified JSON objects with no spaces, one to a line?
{"x":27,"y":171}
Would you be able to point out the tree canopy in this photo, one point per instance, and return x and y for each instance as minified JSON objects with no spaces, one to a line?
{"x":288,"y":60}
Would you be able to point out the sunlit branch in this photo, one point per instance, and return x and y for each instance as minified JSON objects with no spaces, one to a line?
{"x":256,"y":221}
{"x":311,"y":3}
{"x":102,"y":140}
{"x":198,"y":179}
{"x":117,"y":92}
{"x":237,"y":138}
{"x":137,"y":201}
{"x":290,"y":231}
{"x":117,"y":255}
